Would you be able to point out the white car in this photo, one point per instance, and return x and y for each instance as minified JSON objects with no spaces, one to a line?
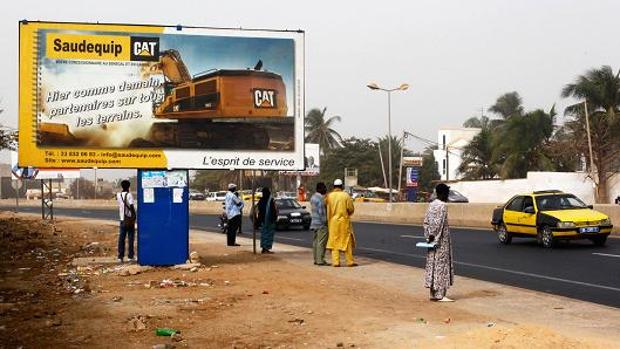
{"x":216,"y":196}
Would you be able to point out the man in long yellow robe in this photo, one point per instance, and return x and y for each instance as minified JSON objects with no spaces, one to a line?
{"x":341,"y":238}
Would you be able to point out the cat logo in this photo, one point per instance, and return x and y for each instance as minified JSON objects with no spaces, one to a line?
{"x":264,"y":98}
{"x":144,"y":49}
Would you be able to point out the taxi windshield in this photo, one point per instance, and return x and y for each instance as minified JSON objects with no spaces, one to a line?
{"x":559,"y":202}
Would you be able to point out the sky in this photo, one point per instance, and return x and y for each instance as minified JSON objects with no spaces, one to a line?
{"x":457,"y":56}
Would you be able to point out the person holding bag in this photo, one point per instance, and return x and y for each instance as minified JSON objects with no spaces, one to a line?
{"x":439,"y":274}
{"x":127,"y":215}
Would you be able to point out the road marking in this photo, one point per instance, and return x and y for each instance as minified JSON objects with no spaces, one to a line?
{"x":509,"y":271}
{"x":607,"y":255}
{"x":285,"y":238}
{"x":412,"y":236}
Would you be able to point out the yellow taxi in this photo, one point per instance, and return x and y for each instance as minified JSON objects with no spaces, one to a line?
{"x":367,"y":197}
{"x":246,"y":195}
{"x":550,"y":216}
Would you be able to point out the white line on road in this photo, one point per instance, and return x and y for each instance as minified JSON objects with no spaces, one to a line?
{"x":285,"y":238}
{"x":509,"y":271}
{"x":412,"y":237}
{"x":607,"y":255}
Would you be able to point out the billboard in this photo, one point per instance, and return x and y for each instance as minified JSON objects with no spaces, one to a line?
{"x":413,"y":175}
{"x":155,"y":97}
{"x":312,"y":162}
{"x":415,"y":161}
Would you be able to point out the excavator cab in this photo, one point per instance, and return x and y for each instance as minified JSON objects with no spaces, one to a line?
{"x":231,"y":109}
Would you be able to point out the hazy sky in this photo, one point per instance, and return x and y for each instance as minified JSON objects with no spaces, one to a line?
{"x":458,"y":56}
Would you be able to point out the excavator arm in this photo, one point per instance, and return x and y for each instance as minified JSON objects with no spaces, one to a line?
{"x":173,"y":67}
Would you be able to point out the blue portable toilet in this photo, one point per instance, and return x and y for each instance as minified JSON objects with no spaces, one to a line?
{"x":163,"y":217}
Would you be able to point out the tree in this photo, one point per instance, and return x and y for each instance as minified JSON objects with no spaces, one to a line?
{"x":600,"y":88}
{"x":214,"y":180}
{"x":359,"y":153}
{"x":429,"y":172}
{"x":477,"y":157}
{"x":320,"y":130}
{"x":521,"y":144}
{"x":86,"y":189}
{"x":8,"y":137}
{"x":396,"y":149}
{"x":508,"y":105}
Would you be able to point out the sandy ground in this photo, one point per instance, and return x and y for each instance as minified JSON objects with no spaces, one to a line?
{"x":240,"y":300}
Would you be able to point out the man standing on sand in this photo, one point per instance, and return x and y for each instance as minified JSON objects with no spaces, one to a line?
{"x":319,"y":223}
{"x":439,"y":275}
{"x":127,"y":215}
{"x":341,"y":238}
{"x":234,"y":207}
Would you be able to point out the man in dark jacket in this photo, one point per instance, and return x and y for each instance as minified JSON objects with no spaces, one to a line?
{"x":266,"y":220}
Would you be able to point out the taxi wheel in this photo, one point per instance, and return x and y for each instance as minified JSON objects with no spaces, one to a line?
{"x":545,"y":237}
{"x":599,"y":240}
{"x":503,"y":235}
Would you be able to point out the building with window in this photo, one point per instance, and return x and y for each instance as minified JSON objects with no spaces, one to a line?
{"x":451,"y":142}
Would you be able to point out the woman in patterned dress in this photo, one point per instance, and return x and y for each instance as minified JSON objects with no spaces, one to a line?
{"x":439,"y":274}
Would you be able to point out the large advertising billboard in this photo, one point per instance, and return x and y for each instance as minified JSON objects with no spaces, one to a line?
{"x":137,"y":96}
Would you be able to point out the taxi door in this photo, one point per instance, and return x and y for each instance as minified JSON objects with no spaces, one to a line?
{"x":512,"y":214}
{"x":527,"y":221}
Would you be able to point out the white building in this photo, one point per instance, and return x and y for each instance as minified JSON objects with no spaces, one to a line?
{"x":451,"y":143}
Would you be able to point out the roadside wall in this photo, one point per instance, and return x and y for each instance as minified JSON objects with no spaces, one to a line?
{"x":465,"y":215}
{"x":500,"y":191}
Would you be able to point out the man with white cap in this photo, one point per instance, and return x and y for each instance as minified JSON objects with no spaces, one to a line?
{"x":341,"y":238}
{"x":233,"y":206}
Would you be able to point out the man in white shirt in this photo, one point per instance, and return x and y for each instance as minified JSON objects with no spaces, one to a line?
{"x":234,"y":207}
{"x":127,"y":216}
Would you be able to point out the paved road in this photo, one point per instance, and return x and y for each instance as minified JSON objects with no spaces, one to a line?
{"x":577,"y":270}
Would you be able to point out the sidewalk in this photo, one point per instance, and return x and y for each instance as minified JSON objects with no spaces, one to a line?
{"x":504,"y":314}
{"x":241,"y":300}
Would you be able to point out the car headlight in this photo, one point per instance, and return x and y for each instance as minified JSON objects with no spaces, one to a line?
{"x":566,"y":224}
{"x":281,"y":217}
{"x":606,"y":221}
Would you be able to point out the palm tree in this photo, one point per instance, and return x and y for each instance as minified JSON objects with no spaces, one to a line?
{"x":522,"y":144}
{"x":600,"y":88}
{"x":508,"y":105}
{"x":319,"y":130}
{"x":477,"y":156}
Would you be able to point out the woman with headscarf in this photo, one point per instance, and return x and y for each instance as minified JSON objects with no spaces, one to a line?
{"x":266,"y":220}
{"x":439,"y":266}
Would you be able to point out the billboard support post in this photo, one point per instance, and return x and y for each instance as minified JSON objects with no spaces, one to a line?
{"x":17,"y":187}
{"x":47,"y":205}
{"x":253,"y":215}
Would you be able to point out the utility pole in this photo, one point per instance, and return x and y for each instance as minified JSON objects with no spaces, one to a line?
{"x":382,"y":166}
{"x":400,"y":168}
{"x":447,"y":163}
{"x":585,"y":104}
{"x":96,"y":183}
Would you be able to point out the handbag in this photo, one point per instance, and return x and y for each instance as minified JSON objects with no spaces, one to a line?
{"x":129,"y":221}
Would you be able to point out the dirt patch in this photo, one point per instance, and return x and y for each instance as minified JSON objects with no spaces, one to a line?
{"x":234,"y":300}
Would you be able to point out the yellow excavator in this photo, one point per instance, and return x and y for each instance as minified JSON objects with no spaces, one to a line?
{"x":217,"y":109}
{"x":220,"y":109}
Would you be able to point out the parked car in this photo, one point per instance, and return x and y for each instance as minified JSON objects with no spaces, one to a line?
{"x":196,"y":195}
{"x":454,"y":197}
{"x":287,"y":195}
{"x":550,"y":216}
{"x":291,"y":213}
{"x":367,"y":196}
{"x":246,"y":195}
{"x":216,"y":196}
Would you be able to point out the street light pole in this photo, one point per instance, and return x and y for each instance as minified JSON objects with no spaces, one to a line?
{"x":402,"y":87}
{"x":389,"y":94}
